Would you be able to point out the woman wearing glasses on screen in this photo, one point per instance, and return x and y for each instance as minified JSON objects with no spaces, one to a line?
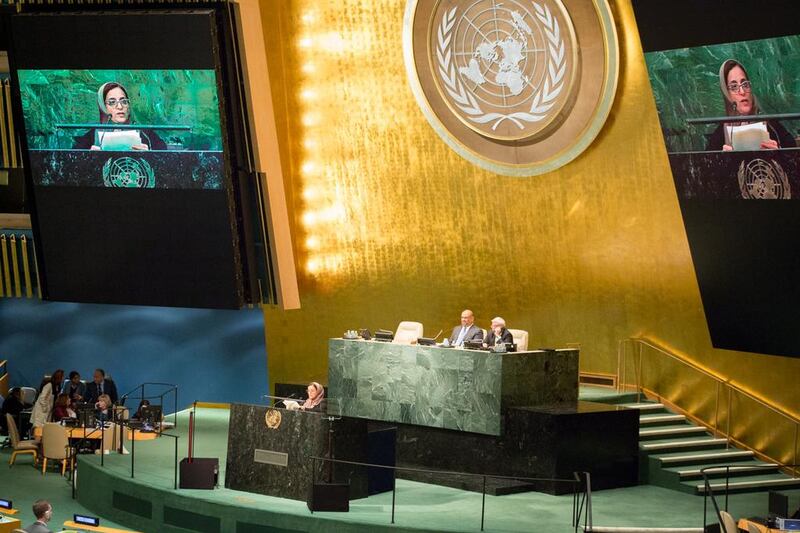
{"x":115,"y":108}
{"x":739,"y":99}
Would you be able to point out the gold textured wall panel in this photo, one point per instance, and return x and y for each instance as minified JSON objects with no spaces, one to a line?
{"x":390,"y":224}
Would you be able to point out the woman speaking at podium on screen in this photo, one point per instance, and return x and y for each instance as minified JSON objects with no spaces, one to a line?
{"x":115,"y":108}
{"x":739,"y":99}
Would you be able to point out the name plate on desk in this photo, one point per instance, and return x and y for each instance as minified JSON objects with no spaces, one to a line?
{"x":464,"y":390}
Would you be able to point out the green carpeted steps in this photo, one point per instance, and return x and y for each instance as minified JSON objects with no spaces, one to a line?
{"x":659,"y":419}
{"x":671,"y":432}
{"x":682,"y":443}
{"x":673,"y":451}
{"x":763,"y":482}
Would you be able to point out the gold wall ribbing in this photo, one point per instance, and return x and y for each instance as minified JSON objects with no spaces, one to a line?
{"x":389,"y":224}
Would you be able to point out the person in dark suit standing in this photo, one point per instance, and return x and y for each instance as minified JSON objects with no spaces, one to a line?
{"x":43,"y":513}
{"x":101,"y":386}
{"x":498,"y":334}
{"x":467,"y":331}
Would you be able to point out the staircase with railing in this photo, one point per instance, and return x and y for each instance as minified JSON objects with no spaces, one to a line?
{"x":683,"y":432}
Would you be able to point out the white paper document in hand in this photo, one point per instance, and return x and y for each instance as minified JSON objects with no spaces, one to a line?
{"x":119,"y":141}
{"x":749,"y":136}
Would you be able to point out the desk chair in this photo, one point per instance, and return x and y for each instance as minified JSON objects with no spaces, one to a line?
{"x":19,"y":446}
{"x":28,"y":396}
{"x":728,"y":524}
{"x":520,"y":339}
{"x":55,"y":445}
{"x":407,"y":332}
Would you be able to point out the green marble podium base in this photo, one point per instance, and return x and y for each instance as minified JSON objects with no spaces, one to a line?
{"x":465,"y":390}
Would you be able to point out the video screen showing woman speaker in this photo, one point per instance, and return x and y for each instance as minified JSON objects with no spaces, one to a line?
{"x":726,"y":84}
{"x":728,"y":112}
{"x":123,"y":128}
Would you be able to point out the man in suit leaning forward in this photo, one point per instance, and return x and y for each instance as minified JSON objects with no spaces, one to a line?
{"x":467,"y":331}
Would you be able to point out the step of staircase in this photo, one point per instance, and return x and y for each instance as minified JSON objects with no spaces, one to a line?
{"x":662,"y":432}
{"x":682,"y":444}
{"x":713,"y":470}
{"x":659,"y":419}
{"x":721,"y":456}
{"x":650,"y":407}
{"x":748,"y":483}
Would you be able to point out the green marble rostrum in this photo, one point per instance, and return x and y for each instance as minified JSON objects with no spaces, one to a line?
{"x":448,"y":388}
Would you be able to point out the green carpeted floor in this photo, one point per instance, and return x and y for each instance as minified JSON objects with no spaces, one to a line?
{"x":418,"y":506}
{"x":23,"y":484}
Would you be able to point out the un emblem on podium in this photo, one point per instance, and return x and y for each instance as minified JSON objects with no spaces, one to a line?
{"x":763,"y":180}
{"x":519,"y":87}
{"x":272,"y":418}
{"x":129,"y":173}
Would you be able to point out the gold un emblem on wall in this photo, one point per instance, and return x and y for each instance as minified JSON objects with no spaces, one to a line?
{"x":518,"y":87}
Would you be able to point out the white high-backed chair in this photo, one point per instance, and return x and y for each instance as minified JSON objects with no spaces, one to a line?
{"x":55,"y":446}
{"x":407,"y":332}
{"x":520,"y":339}
{"x":728,"y":523}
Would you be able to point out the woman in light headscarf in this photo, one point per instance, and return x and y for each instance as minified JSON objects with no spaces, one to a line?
{"x":114,"y":107}
{"x":739,"y":99}
{"x":316,"y":397}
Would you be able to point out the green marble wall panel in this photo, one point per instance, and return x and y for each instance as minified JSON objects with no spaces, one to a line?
{"x":444,"y":387}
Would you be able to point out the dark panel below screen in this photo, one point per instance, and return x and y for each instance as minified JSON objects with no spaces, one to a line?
{"x":747,"y":263}
{"x":143,"y":247}
{"x":685,"y":23}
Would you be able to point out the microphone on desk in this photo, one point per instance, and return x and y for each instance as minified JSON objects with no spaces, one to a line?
{"x":437,"y":335}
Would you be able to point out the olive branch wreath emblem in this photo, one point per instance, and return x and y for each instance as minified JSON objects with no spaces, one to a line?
{"x":543,"y":99}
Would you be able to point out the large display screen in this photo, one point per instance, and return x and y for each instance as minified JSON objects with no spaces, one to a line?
{"x":156,"y":128}
{"x":128,"y":150}
{"x":727,"y":89}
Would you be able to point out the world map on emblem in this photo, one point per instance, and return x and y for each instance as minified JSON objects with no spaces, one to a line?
{"x":504,"y":66}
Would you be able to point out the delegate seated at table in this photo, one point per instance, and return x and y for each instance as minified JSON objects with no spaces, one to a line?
{"x":467,"y":331}
{"x":498,"y":334}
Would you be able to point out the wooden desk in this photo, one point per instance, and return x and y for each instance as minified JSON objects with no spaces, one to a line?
{"x":76,"y":433}
{"x":74,"y":525}
{"x":9,"y":524}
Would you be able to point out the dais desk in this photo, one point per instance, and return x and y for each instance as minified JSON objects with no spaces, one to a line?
{"x":450,"y":388}
{"x":84,"y":527}
{"x":9,"y":524}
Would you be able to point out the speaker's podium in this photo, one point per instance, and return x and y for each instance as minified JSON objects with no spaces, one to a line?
{"x":271,"y":451}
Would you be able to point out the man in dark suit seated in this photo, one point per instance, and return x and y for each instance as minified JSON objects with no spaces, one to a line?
{"x":43,"y":513}
{"x":467,"y":331}
{"x":101,"y":386}
{"x":498,"y":334}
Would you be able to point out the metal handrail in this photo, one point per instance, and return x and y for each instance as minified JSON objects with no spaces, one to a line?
{"x":720,"y":381}
{"x":713,"y":375}
{"x":580,"y":505}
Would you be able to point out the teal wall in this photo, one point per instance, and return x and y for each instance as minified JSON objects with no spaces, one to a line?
{"x":212,"y":355}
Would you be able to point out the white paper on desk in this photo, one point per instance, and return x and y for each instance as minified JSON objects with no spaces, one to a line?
{"x":749,"y":136}
{"x":119,"y":141}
